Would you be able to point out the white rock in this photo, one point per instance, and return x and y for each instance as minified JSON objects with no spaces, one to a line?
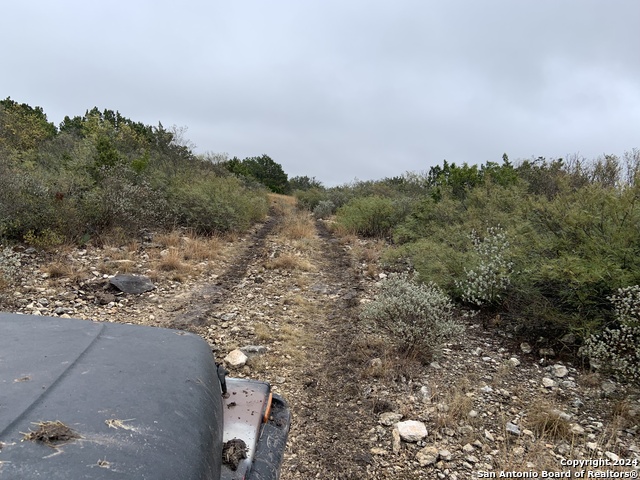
{"x":514,"y":362}
{"x":489,"y":436}
{"x":236,"y":359}
{"x":593,"y":446}
{"x":577,"y":429}
{"x":427,"y":456}
{"x":512,"y":429}
{"x":548,"y":383}
{"x":425,"y":394}
{"x":468,"y":448}
{"x":411,"y":430}
{"x":560,"y":371}
{"x":445,"y":455}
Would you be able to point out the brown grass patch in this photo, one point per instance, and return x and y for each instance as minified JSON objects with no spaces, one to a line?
{"x":58,"y":270}
{"x":546,"y":421}
{"x":169,"y":239}
{"x":281,"y":203}
{"x":201,"y":248}
{"x":171,"y":261}
{"x":262,"y":332}
{"x":289,"y":262}
{"x":453,"y":405}
{"x":297,"y":225}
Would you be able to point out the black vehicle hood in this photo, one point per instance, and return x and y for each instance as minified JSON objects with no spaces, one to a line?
{"x":145,"y":402}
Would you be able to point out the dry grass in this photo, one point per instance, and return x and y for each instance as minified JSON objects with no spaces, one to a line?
{"x":262,"y":332}
{"x":167,"y":240}
{"x":546,"y":421}
{"x":289,"y":262}
{"x":58,"y":269}
{"x":454,"y":405}
{"x":281,"y":203}
{"x":201,"y":248}
{"x":171,"y":261}
{"x":297,"y":225}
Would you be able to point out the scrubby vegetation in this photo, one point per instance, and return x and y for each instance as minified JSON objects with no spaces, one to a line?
{"x":543,"y":244}
{"x":102,"y":171}
{"x":419,"y":315}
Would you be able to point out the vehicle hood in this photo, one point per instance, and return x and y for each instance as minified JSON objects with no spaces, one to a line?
{"x":145,"y":402}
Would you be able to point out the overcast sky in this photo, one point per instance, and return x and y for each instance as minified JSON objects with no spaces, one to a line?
{"x":341,"y":89}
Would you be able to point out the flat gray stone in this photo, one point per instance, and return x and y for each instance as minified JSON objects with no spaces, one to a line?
{"x":134,"y":284}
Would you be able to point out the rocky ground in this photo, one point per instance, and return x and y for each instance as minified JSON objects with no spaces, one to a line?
{"x":287,"y":295}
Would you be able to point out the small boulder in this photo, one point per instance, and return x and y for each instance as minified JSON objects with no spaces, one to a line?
{"x":236,"y":359}
{"x":559,"y":371}
{"x":427,"y":456}
{"x":512,"y":429}
{"x":548,"y":383}
{"x":411,"y":430}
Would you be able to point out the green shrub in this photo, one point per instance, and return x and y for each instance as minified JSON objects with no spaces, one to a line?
{"x":212,"y":204}
{"x":368,"y":216}
{"x":420,"y":316}
{"x":309,"y":199}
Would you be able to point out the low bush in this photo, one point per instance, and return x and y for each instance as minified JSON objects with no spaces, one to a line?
{"x":368,"y":216}
{"x":420,"y":316}
{"x":212,"y":204}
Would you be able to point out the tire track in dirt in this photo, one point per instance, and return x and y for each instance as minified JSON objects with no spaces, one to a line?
{"x":207,"y":299}
{"x":331,"y":419}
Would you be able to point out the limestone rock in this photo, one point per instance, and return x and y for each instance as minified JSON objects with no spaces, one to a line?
{"x":236,"y":359}
{"x":559,"y":371}
{"x":411,"y":430}
{"x":548,"y":383}
{"x":427,"y":456}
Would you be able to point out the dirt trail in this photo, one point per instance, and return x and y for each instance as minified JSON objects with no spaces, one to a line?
{"x":309,"y":310}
